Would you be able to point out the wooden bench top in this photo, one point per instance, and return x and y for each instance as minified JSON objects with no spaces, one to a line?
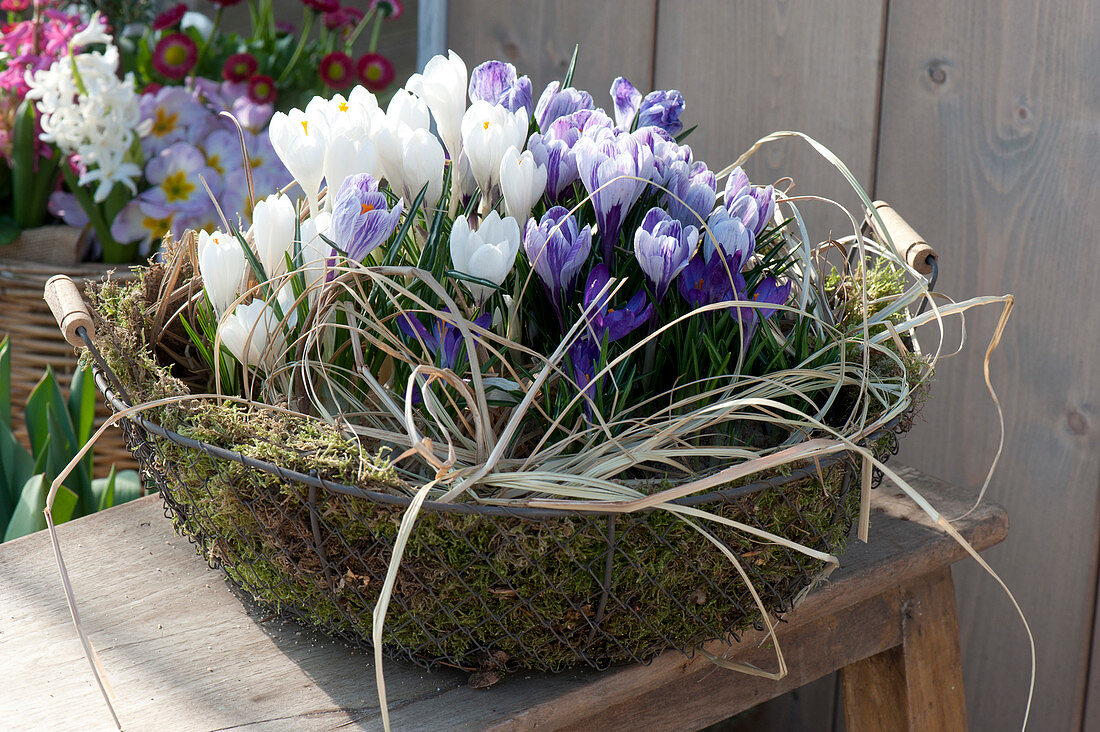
{"x":182,"y":652}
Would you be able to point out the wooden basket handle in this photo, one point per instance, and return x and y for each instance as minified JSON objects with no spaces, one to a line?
{"x":909,"y":243}
{"x":68,"y":308}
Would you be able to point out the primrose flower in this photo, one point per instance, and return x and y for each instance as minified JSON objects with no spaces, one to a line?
{"x":557,"y":249}
{"x":254,"y":335}
{"x":141,"y":223}
{"x":273,"y":226}
{"x":375,"y":71}
{"x":614,"y":169}
{"x":663,"y":247}
{"x":612,"y":323}
{"x":300,"y":140}
{"x":240,"y":67}
{"x":442,"y":86}
{"x":659,"y":109}
{"x":222,"y":150}
{"x":174,"y":55}
{"x":556,"y":102}
{"x":361,"y":217}
{"x":175,"y":115}
{"x":522,"y":182}
{"x":174,"y":173}
{"x":223,"y":266}
{"x":337,"y":70}
{"x":488,"y":130}
{"x":495,"y":82}
{"x":487,"y":253}
{"x":443,"y":340}
{"x":696,"y":186}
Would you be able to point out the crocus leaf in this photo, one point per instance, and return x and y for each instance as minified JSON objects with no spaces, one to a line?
{"x":16,"y":465}
{"x":568,"y":80}
{"x":28,"y":516}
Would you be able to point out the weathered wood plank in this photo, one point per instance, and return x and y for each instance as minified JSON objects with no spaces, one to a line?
{"x":615,"y":38}
{"x":748,"y":69}
{"x":182,"y":653}
{"x":918,"y":684}
{"x":988,"y":147}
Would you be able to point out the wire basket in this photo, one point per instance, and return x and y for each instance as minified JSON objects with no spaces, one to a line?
{"x":490,"y":586}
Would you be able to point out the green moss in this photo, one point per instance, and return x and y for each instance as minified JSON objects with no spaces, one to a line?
{"x":468,"y":585}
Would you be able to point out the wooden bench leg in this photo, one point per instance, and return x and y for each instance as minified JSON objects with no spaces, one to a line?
{"x":917,"y":685}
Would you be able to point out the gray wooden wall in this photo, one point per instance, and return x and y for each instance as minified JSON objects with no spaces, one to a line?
{"x":980,"y":122}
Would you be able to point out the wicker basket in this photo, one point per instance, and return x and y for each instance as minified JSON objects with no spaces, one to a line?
{"x":25,"y":266}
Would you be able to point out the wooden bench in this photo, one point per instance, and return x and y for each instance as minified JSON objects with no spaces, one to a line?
{"x":182,"y":653}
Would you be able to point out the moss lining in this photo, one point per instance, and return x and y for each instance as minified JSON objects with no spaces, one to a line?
{"x":469,"y":587}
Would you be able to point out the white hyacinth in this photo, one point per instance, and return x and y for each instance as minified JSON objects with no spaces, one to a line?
{"x":87,"y":110}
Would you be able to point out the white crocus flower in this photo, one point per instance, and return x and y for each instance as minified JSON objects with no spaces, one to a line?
{"x":487,"y":131}
{"x":272,"y":230}
{"x":316,"y":251}
{"x":349,"y":152}
{"x":409,"y":110}
{"x":442,"y":86}
{"x":254,"y":335}
{"x":411,"y":158}
{"x":300,"y":140}
{"x":522,"y":181}
{"x":223,"y":266}
{"x":488,"y":253}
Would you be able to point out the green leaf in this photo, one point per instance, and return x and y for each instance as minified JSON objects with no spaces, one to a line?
{"x":23,"y":168}
{"x":5,"y":382}
{"x":36,"y":413}
{"x":568,"y":80}
{"x":82,"y":404}
{"x":680,"y":137}
{"x":16,"y":465}
{"x":29,"y":515}
{"x":9,"y":230}
{"x":117,"y":488}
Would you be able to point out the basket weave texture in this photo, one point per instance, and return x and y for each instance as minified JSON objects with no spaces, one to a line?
{"x":35,"y":341}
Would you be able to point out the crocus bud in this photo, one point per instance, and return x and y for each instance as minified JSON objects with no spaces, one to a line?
{"x":443,"y":88}
{"x":361,"y":217}
{"x":411,"y":158}
{"x":488,"y":130}
{"x":254,"y":335}
{"x":222,"y":265}
{"x":663,"y":247}
{"x":614,"y":168}
{"x":487,"y":253}
{"x":495,"y":82}
{"x":557,"y":250}
{"x":522,"y":182}
{"x":316,"y":252}
{"x":729,"y":233}
{"x":692,"y":192}
{"x":273,"y":232}
{"x":556,"y":102}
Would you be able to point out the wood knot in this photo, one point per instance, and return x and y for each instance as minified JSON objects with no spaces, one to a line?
{"x":1078,"y":424}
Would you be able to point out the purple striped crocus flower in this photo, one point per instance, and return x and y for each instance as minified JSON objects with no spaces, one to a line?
{"x":361,"y":216}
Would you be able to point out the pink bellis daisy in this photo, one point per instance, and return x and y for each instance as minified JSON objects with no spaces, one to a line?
{"x":375,"y":71}
{"x":174,"y":55}
{"x":337,"y":70}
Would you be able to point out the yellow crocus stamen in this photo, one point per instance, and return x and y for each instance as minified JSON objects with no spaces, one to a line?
{"x":305,"y":126}
{"x":343,"y":106}
{"x":367,"y":207}
{"x":485,"y":124}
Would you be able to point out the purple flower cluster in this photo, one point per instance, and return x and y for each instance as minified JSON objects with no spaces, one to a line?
{"x":188,"y":139}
